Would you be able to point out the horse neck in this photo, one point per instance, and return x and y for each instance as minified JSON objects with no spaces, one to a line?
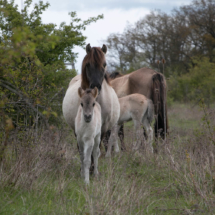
{"x":103,"y":95}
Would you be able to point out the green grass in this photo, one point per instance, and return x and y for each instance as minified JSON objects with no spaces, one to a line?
{"x":44,"y":181}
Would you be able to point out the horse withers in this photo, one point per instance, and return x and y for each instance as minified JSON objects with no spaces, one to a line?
{"x":88,"y":130}
{"x":138,"y":108}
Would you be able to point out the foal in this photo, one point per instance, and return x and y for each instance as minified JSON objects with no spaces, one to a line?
{"x":88,"y":130}
{"x":138,"y":108}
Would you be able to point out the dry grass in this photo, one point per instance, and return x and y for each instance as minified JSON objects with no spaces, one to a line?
{"x":41,"y":176}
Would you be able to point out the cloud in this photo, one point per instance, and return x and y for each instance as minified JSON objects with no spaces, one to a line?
{"x":117,"y":13}
{"x":86,"y":5}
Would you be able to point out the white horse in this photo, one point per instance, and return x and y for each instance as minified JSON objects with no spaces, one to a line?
{"x":138,"y":108}
{"x":93,"y":75}
{"x":88,"y":130}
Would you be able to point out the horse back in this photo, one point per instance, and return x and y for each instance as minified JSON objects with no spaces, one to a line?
{"x":140,"y":81}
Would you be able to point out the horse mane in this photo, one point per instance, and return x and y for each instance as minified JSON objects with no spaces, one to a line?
{"x":94,"y":57}
{"x":114,"y":75}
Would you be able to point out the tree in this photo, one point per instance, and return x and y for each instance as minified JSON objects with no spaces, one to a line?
{"x":33,"y":56}
{"x":188,"y":32}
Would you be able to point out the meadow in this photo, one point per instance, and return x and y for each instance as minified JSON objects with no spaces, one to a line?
{"x":41,"y":175}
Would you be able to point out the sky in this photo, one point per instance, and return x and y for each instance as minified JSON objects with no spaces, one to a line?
{"x":117,"y":14}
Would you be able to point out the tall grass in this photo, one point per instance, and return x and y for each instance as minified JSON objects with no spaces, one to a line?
{"x":42,"y":176}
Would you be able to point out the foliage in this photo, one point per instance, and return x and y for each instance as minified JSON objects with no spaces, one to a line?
{"x":195,"y":85}
{"x":177,"y":37}
{"x":179,"y":180}
{"x":33,"y":55}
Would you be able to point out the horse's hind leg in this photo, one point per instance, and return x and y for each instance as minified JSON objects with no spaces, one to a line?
{"x":137,"y":131}
{"x":149,"y":132}
{"x":121,"y":137}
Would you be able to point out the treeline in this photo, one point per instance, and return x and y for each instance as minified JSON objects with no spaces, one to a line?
{"x":185,"y":39}
{"x":33,"y":74}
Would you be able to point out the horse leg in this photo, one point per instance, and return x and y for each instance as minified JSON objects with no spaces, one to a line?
{"x":96,"y":154}
{"x":81,"y":152}
{"x":149,"y":132}
{"x":103,"y":137}
{"x":88,"y":148}
{"x":137,"y":130}
{"x":106,"y":139}
{"x":112,"y":141}
{"x":121,"y":137}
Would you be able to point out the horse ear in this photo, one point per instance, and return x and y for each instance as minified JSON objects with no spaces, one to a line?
{"x":88,"y":48}
{"x":104,"y":48}
{"x":95,"y":92}
{"x":80,"y":92}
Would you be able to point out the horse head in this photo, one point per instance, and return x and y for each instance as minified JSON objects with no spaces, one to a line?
{"x":88,"y":99}
{"x":94,"y":67}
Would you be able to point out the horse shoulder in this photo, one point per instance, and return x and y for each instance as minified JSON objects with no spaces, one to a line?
{"x":121,"y":85}
{"x":71,"y":102}
{"x":75,"y":79}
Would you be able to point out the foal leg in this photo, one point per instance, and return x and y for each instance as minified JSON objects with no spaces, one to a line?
{"x":81,"y":152}
{"x":137,"y":130}
{"x":149,"y":132}
{"x":96,"y":153}
{"x":88,"y":148}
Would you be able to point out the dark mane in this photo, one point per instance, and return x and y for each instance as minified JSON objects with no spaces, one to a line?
{"x":114,"y":75}
{"x":94,"y":57}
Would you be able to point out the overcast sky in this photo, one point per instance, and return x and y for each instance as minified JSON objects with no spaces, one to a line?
{"x":117,"y":13}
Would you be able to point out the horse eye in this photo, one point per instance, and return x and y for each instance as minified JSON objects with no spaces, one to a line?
{"x":93,"y":104}
{"x":82,"y":104}
{"x":104,"y":65}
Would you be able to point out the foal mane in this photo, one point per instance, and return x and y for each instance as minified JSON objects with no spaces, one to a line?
{"x":95,"y":57}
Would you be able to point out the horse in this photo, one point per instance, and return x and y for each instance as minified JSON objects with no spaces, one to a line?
{"x":138,"y":108}
{"x":149,"y":83}
{"x":93,"y":74}
{"x":88,"y":130}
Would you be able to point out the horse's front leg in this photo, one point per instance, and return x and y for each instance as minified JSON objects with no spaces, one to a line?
{"x":96,"y":153}
{"x":121,"y":137}
{"x":81,"y":152}
{"x":106,"y":139}
{"x":113,"y":141}
{"x":88,"y":148}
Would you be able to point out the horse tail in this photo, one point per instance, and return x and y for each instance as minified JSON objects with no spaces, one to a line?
{"x":150,"y":111}
{"x":158,"y":89}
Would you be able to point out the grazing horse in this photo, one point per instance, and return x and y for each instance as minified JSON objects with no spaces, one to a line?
{"x":88,"y":130}
{"x":93,"y":74}
{"x":149,"y":83}
{"x":138,"y":108}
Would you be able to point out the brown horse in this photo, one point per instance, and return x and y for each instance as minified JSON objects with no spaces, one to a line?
{"x":149,"y":83}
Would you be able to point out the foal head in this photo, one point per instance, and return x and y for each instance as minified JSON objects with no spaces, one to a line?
{"x":93,"y":67}
{"x":88,"y":99}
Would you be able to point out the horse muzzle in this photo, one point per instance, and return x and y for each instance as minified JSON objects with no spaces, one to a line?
{"x":87,"y":118}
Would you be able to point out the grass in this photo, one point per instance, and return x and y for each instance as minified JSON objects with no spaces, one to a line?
{"x":43,"y":176}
